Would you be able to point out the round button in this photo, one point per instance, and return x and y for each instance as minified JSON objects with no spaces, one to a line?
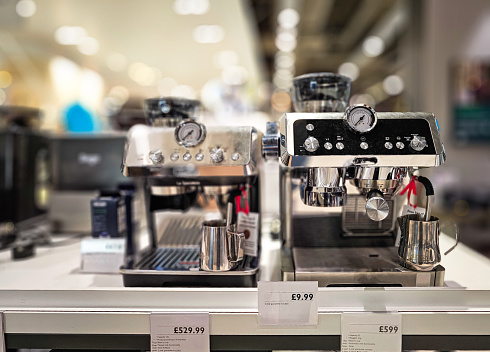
{"x":400,"y":145}
{"x":311,"y":144}
{"x":199,"y":156}
{"x":364,"y":145}
{"x":235,"y":156}
{"x":328,"y":146}
{"x":310,"y":127}
{"x":339,"y":145}
{"x":174,"y":156}
{"x":388,"y":145}
{"x":187,"y":156}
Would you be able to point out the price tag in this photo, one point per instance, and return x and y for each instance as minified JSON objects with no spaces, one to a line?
{"x":288,"y":303}
{"x":371,"y":332}
{"x":3,"y":347}
{"x":102,"y":255}
{"x":175,"y":332}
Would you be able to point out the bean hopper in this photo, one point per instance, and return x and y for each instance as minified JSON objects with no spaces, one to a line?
{"x":341,"y":168}
{"x":190,"y":175}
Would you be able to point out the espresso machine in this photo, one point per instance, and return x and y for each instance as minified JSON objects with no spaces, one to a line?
{"x":198,"y":183}
{"x":341,"y":169}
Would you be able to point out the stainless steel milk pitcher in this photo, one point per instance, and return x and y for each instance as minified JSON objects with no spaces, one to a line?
{"x":221,"y":246}
{"x":419,"y":242}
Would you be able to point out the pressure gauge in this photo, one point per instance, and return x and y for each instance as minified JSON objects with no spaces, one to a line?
{"x":361,"y":118}
{"x":190,"y":133}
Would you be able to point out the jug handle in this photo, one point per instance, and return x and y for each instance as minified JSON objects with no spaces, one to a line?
{"x":457,"y":240}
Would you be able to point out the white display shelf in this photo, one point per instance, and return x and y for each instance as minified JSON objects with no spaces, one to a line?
{"x":48,"y":303}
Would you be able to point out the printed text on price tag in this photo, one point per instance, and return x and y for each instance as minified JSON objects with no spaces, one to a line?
{"x":284,"y":303}
{"x":177,"y":332}
{"x":371,"y":332}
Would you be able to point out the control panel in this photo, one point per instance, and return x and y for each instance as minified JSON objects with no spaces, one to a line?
{"x":400,"y":136}
{"x":222,"y":146}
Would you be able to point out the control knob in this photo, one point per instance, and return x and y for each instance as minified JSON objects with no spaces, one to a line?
{"x":217,"y":155}
{"x":156,"y":157}
{"x":311,"y":144}
{"x":418,"y":143}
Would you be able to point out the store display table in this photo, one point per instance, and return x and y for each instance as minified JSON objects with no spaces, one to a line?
{"x":48,"y":303}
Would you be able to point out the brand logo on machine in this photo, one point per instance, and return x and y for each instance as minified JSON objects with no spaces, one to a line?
{"x":188,"y":170}
{"x":99,"y":204}
{"x":89,"y":159}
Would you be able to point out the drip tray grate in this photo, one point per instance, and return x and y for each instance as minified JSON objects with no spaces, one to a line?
{"x":171,"y":258}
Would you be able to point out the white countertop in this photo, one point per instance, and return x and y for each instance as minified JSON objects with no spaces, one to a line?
{"x":57,"y":266}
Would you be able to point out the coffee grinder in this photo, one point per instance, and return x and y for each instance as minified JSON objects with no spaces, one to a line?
{"x":341,"y":169}
{"x":197,"y":181}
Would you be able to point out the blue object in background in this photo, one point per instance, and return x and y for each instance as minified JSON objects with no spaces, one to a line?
{"x":79,"y":119}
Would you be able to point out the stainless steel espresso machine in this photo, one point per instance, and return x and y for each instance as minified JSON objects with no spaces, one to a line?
{"x":341,"y":169}
{"x":197,"y":181}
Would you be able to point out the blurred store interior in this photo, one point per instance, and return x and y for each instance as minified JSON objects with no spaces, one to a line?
{"x":74,"y":66}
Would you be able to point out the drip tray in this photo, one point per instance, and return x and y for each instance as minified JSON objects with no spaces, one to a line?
{"x":185,"y":258}
{"x":359,"y":266}
{"x":179,"y":267}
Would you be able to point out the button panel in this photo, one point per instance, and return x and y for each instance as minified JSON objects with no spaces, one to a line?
{"x":338,"y":139}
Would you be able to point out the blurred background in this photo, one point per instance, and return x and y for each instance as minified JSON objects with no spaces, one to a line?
{"x":86,"y":66}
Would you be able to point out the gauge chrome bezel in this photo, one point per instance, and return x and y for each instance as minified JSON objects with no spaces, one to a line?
{"x":351,"y":109}
{"x":184,"y":123}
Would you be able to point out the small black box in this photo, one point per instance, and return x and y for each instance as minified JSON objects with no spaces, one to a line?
{"x":108,"y":216}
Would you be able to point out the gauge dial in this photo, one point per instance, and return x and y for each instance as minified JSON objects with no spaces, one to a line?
{"x":361,"y":118}
{"x":190,"y":133}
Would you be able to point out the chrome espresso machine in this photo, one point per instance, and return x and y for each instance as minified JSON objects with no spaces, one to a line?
{"x":341,"y":169}
{"x":201,"y":199}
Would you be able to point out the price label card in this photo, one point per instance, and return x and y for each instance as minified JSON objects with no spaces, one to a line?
{"x":371,"y":332}
{"x":288,"y":303}
{"x":175,"y":332}
{"x":102,"y":255}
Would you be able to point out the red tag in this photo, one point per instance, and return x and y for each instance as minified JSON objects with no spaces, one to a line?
{"x":242,"y":198}
{"x":411,"y":187}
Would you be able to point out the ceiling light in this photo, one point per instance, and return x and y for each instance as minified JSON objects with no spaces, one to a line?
{"x":284,"y":74}
{"x":143,"y":74}
{"x":117,"y":62}
{"x":234,"y":75}
{"x":3,"y":97}
{"x":208,"y":34}
{"x":120,"y":93}
{"x":350,"y":70}
{"x":393,"y":85}
{"x":363,"y":99}
{"x":284,"y":62}
{"x":225,"y":58}
{"x":184,"y":92}
{"x":5,"y":79}
{"x":191,"y":7}
{"x":288,"y":18}
{"x":286,"y":42}
{"x":282,"y":82}
{"x":89,"y":46}
{"x":110,"y":106}
{"x":293,"y":31}
{"x":373,"y":46}
{"x":69,"y":35}
{"x":165,"y":86}
{"x":25,"y":8}
{"x":281,"y":101}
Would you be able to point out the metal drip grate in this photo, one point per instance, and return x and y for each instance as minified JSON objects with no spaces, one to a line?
{"x":171,"y":258}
